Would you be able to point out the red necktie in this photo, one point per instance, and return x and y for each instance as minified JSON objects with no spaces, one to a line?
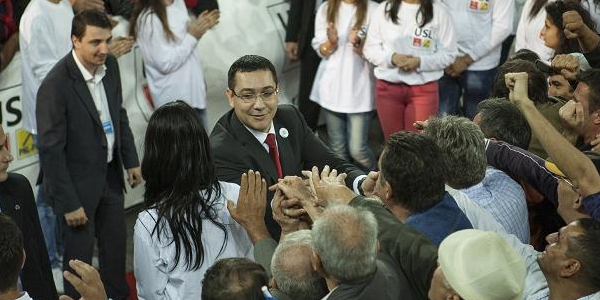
{"x":270,"y":140}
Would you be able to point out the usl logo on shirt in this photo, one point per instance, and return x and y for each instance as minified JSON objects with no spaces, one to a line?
{"x":422,"y":38}
{"x":417,"y":42}
{"x":479,"y":5}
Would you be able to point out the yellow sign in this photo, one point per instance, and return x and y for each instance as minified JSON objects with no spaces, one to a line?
{"x":25,"y":145}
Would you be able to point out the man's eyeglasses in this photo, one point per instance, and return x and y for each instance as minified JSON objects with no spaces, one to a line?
{"x":266,"y":95}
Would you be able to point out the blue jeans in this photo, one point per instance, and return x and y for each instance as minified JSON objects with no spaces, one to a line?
{"x":49,"y":225}
{"x":49,"y":229}
{"x":348,"y":136}
{"x":473,"y":86}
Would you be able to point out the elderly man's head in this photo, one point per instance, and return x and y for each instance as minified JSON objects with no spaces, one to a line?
{"x":463,"y":149}
{"x":475,"y":264}
{"x":292,"y":270}
{"x":234,"y":278}
{"x":345,"y":243}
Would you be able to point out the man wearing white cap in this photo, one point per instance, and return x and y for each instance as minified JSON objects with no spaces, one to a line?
{"x":474,"y":265}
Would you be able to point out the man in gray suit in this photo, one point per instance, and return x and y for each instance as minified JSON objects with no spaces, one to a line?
{"x":84,"y":143}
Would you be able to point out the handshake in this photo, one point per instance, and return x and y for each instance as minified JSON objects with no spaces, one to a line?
{"x":297,"y":201}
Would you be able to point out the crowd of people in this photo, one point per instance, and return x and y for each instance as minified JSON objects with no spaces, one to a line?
{"x":487,"y":186}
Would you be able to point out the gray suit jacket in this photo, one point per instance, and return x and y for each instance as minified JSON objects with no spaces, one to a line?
{"x":72,"y":144}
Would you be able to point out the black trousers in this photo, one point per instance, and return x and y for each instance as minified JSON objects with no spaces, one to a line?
{"x":309,"y":63}
{"x":106,"y":223}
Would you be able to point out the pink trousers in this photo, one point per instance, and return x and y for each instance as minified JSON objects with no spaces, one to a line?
{"x":399,"y":105}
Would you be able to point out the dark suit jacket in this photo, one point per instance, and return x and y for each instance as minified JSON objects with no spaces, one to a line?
{"x":385,"y":284}
{"x":301,"y":24}
{"x":72,"y":144}
{"x":235,"y":151}
{"x":415,"y":255}
{"x":17,"y":202}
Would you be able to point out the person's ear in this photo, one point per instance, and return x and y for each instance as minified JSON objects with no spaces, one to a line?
{"x":569,"y":268}
{"x":24,"y":259}
{"x":389,"y":192}
{"x":317,"y":266}
{"x":596,"y":117}
{"x":577,"y":203}
{"x":230,"y":97}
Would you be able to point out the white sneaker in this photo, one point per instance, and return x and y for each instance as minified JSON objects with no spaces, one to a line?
{"x":57,"y":275}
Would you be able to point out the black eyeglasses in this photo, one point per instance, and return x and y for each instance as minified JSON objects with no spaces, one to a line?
{"x":249,"y":97}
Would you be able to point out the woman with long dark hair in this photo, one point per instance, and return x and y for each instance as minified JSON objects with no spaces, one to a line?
{"x":528,"y":32}
{"x":344,"y":82}
{"x":410,"y":42}
{"x":167,"y":39}
{"x":186,"y":226}
{"x":553,"y":31}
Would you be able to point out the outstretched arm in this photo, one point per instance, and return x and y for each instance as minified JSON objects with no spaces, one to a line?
{"x":572,"y":162}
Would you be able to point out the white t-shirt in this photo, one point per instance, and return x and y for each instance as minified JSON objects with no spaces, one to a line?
{"x":173,"y":68}
{"x":528,"y":32}
{"x":481,"y":26}
{"x":44,"y":38}
{"x":434,"y":43}
{"x":344,"y":80}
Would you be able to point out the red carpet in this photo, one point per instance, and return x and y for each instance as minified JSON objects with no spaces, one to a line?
{"x":131,"y":281}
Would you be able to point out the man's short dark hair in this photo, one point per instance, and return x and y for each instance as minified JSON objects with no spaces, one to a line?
{"x":585,"y":249}
{"x":537,"y":84}
{"x":503,"y":121}
{"x":234,"y":279}
{"x":525,"y":54}
{"x":91,"y":17}
{"x":249,"y":63}
{"x":11,"y":253}
{"x":591,"y":78}
{"x":413,"y":165}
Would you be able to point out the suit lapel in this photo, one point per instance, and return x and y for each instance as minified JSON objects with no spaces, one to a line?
{"x":9,"y":205}
{"x":81,"y":89}
{"x":109,"y":89}
{"x":286,"y":151}
{"x":255,"y":149}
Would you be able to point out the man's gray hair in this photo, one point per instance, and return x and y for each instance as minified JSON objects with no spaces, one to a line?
{"x":292,"y":270}
{"x":463,"y":149}
{"x":345,"y":238}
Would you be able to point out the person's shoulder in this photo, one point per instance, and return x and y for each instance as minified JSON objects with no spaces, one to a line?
{"x":59,"y":71}
{"x":287,"y":113}
{"x":223,"y":130}
{"x":146,"y":221}
{"x":15,"y":181}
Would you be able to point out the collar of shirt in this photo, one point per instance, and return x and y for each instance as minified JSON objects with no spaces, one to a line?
{"x":261,"y":136}
{"x":591,"y":297}
{"x":87,"y":76}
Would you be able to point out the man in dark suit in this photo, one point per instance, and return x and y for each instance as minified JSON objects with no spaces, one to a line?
{"x":298,"y":35}
{"x":17,"y":202}
{"x":238,"y":140}
{"x":84,"y":143}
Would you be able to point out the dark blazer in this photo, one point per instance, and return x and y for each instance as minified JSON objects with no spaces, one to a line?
{"x":235,"y":150}
{"x":415,"y":255}
{"x":17,"y":202}
{"x":72,"y":144}
{"x":301,"y":24}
